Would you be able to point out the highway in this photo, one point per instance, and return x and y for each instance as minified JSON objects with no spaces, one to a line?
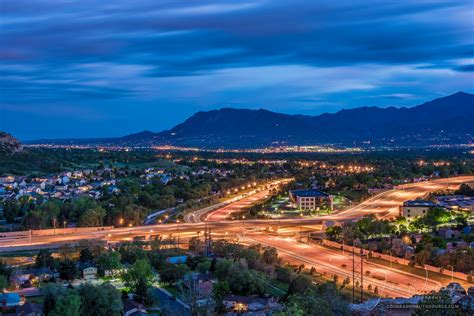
{"x":235,"y":205}
{"x":386,"y":204}
{"x":382,"y":204}
{"x":390,"y":282}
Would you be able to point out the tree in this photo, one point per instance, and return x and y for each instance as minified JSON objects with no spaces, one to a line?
{"x":203,"y":266}
{"x":101,"y":299}
{"x":51,"y":294}
{"x":213,"y":266}
{"x":244,"y":281}
{"x":436,"y":216}
{"x":44,"y":259}
{"x":270,"y":256}
{"x":350,"y":233}
{"x":284,"y":274}
{"x":219,"y":291}
{"x":334,"y":232}
{"x":11,"y":210}
{"x":92,"y":217}
{"x":320,"y":300}
{"x":300,"y":284}
{"x":138,"y":278}
{"x":86,"y":255}
{"x":222,"y":268}
{"x":253,"y":258}
{"x":465,"y":189}
{"x":67,"y":269}
{"x":109,"y":261}
{"x":3,"y":283}
{"x":5,"y":270}
{"x":69,"y":304}
{"x":173,"y":272}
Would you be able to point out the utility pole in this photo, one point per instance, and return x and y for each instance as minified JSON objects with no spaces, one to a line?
{"x":207,"y":241}
{"x":357,"y":274}
{"x":353,"y":276}
{"x":361,"y":275}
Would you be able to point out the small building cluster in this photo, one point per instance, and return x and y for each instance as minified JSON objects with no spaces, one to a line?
{"x":311,"y":199}
{"x":61,"y":186}
{"x":419,"y":208}
{"x":456,"y":202}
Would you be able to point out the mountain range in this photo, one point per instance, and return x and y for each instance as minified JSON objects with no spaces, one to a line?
{"x":447,"y":120}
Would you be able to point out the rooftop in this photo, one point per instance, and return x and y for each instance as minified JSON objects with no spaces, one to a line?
{"x":420,"y":203}
{"x":309,"y":193}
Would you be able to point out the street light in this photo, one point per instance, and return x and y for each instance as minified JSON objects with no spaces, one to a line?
{"x":177,"y":234}
{"x":54,"y":226}
{"x":452,"y":272}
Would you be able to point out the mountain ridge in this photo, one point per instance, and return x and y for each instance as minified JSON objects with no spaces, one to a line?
{"x":448,"y":119}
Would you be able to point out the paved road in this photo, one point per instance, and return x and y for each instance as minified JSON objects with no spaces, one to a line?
{"x":387,"y":204}
{"x":382,"y":204}
{"x":397,"y":283}
{"x":222,"y":211}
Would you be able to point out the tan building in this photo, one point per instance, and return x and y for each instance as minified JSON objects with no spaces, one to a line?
{"x":311,"y":199}
{"x":415,"y":208}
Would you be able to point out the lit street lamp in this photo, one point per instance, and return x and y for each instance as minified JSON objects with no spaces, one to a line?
{"x":452,"y":272}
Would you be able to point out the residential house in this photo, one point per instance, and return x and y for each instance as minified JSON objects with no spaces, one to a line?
{"x":133,"y":308}
{"x":10,"y":299}
{"x":250,"y":304}
{"x":29,"y":309}
{"x":30,"y":276}
{"x":89,"y":273}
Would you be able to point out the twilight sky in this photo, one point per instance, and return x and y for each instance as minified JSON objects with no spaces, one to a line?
{"x":108,"y":68}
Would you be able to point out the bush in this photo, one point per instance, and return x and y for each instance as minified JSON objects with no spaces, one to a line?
{"x":284,"y":274}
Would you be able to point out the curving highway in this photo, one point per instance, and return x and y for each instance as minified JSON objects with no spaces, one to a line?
{"x":386,"y":204}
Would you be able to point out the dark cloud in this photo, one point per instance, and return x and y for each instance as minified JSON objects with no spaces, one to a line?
{"x":197,"y":54}
{"x":469,"y":68}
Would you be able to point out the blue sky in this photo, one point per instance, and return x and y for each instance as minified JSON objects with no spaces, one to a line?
{"x":109,"y":68}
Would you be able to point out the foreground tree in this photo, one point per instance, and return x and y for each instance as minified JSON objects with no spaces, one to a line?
{"x":44,"y":259}
{"x":69,"y":304}
{"x":138,"y":278}
{"x":300,"y":284}
{"x":109,"y":261}
{"x":102,"y":299}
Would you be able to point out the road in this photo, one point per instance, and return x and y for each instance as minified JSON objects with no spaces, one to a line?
{"x":382,"y":204}
{"x":235,"y":205}
{"x":390,"y":282}
{"x":386,"y":204}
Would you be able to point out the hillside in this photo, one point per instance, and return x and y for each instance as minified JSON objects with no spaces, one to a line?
{"x":9,"y":144}
{"x":448,"y":120}
{"x":445,"y":120}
